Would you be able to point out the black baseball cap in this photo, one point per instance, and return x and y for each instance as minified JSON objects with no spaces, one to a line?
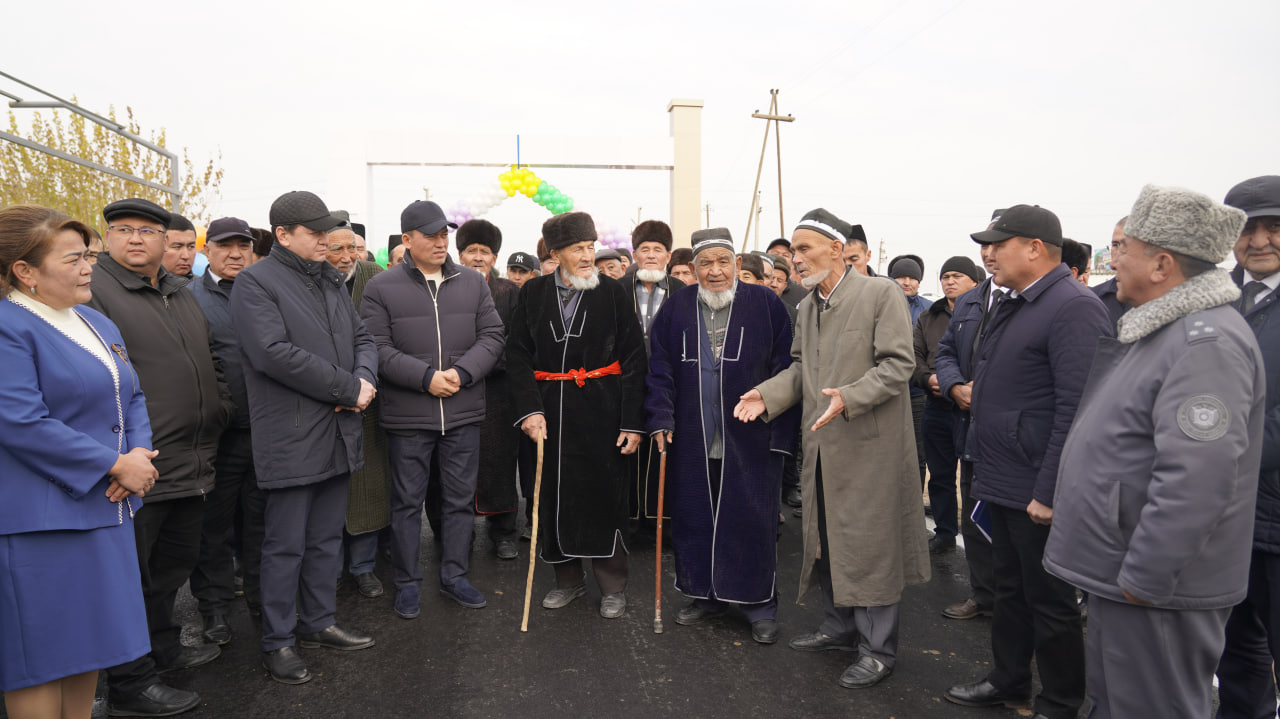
{"x":524,"y":261}
{"x":137,"y":207}
{"x":1023,"y":221}
{"x":228,"y":228}
{"x":780,"y":241}
{"x":1258,"y":197}
{"x":302,"y":208}
{"x":424,"y":216}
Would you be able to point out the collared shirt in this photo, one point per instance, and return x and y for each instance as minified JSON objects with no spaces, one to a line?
{"x":649,"y":302}
{"x":569,"y":298}
{"x":715,"y":324}
{"x":1272,"y":281}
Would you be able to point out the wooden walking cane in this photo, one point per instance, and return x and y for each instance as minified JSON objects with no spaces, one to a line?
{"x":657,"y":575}
{"x":533,"y":544}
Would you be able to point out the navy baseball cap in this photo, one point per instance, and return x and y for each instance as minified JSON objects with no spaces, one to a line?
{"x":1023,"y":221}
{"x":424,"y":216}
{"x":228,"y":228}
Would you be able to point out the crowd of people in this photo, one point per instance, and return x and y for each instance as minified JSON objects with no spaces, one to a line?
{"x":279,"y":421}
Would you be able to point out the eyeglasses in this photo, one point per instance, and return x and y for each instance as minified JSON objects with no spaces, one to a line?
{"x":126,"y":232}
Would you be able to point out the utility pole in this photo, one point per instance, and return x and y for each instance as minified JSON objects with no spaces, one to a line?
{"x":759,"y":211}
{"x":426,"y":193}
{"x":882,"y":256}
{"x":771,"y":118}
{"x":708,"y":226}
{"x":639,"y":210}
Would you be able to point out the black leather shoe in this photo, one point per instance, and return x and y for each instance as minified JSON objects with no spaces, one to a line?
{"x":941,"y":543}
{"x":764,"y":631}
{"x":157,"y":700}
{"x":819,"y":642}
{"x":792,"y":498}
{"x":695,"y":614}
{"x":335,"y":637}
{"x":506,"y":549}
{"x":985,"y":694}
{"x":285,"y":666}
{"x":866,"y":672}
{"x":217,"y":630}
{"x":368,"y":585}
{"x":187,"y":658}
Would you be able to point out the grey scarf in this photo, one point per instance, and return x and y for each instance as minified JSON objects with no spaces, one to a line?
{"x":1204,"y":291}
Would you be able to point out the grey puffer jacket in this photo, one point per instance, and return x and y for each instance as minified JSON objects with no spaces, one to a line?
{"x":1155,"y":495}
{"x":420,"y":331}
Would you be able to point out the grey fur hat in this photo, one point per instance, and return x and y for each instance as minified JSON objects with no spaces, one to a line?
{"x":1185,"y":222}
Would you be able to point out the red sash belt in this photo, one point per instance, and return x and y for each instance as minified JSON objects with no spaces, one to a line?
{"x":580,"y":375}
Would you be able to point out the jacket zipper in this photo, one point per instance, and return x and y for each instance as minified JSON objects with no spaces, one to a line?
{"x":435,"y":307}
{"x":195,"y":447}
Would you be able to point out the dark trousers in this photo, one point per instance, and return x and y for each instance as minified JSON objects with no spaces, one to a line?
{"x":235,"y":491}
{"x":504,"y":526}
{"x":876,"y":628}
{"x":917,"y":417}
{"x":457,"y":456}
{"x":301,"y":558}
{"x":1035,"y":614}
{"x":1147,"y":662}
{"x":977,"y":548}
{"x":940,"y":456}
{"x":1246,"y":682}
{"x":167,"y":533}
{"x":526,"y":467}
{"x":610,"y":572}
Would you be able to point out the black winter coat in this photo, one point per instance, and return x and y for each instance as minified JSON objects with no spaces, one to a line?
{"x":305,"y":352}
{"x":187,"y":397}
{"x":1264,"y":319}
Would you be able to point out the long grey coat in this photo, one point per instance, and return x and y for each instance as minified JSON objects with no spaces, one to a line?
{"x":871,"y":482}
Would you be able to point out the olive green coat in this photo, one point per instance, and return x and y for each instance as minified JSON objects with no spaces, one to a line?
{"x":369,"y":495}
{"x":871,"y":482}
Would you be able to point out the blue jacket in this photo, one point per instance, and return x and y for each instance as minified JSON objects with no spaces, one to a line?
{"x":1031,"y":369}
{"x":60,"y":424}
{"x":953,"y":362}
{"x":1107,"y":293}
{"x":1264,"y":320}
{"x":305,"y":352}
{"x":216,"y":304}
{"x":917,"y":305}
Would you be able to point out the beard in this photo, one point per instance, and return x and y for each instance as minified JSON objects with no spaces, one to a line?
{"x":717,"y":300}
{"x":650,"y":275}
{"x":815,"y":279}
{"x":582,"y":283}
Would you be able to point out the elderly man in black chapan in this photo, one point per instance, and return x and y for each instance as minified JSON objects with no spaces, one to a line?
{"x":576,"y":366}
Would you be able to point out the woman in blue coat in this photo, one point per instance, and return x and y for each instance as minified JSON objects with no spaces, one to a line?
{"x":74,"y":464}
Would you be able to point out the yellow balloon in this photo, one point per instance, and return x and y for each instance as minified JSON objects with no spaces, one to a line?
{"x":201,"y":233}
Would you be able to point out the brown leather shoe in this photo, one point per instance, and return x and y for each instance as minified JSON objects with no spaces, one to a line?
{"x":968,"y":609}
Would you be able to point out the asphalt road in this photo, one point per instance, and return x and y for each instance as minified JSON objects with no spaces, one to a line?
{"x":456,"y":662}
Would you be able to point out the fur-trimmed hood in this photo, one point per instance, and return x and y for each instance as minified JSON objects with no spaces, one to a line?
{"x":1202,"y":292}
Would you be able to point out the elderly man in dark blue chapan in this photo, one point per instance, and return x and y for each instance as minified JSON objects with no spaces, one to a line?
{"x":710,"y":344}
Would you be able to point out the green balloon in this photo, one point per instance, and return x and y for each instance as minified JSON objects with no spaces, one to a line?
{"x":382,"y":256}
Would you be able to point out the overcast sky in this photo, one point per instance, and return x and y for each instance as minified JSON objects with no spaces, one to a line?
{"x":914,"y":118}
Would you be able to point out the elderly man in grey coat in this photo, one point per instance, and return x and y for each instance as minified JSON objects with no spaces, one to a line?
{"x":1153,"y":511}
{"x":851,"y":359}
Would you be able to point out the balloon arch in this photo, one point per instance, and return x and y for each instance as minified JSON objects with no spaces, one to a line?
{"x":522,"y":180}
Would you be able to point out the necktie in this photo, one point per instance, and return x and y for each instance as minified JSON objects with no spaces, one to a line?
{"x":1251,"y":292}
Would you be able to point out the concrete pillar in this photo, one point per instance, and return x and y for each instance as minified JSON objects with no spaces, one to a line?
{"x":686,"y":177}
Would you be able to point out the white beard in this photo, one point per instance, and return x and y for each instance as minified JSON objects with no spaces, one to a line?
{"x":814,"y":280}
{"x":717,"y":300}
{"x":650,"y":275}
{"x":582,"y":283}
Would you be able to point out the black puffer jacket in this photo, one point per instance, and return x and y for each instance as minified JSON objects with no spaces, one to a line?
{"x":420,"y":332}
{"x":305,"y":352}
{"x":187,"y":399}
